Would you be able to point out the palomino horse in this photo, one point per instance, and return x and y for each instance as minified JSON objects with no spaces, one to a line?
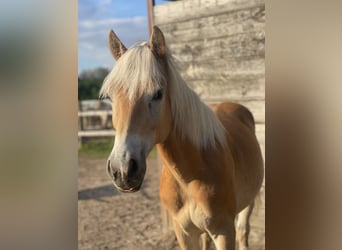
{"x":212,"y":164}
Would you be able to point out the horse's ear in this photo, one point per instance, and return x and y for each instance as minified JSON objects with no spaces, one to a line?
{"x":116,"y":47}
{"x":157,"y":42}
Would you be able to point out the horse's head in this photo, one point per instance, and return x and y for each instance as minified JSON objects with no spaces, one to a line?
{"x":141,"y":108}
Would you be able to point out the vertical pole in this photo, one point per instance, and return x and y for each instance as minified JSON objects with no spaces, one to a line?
{"x":80,"y":123}
{"x":166,"y":219}
{"x":150,"y":4}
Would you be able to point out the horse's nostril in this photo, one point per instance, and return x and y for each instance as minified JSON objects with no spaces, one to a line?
{"x":108,"y":167}
{"x":115,"y":174}
{"x":132,"y":168}
{"x":111,"y":172}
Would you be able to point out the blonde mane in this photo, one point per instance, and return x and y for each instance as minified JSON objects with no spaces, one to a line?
{"x":138,"y":72}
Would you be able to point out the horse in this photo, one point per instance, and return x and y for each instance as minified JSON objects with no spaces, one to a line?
{"x":212,"y":163}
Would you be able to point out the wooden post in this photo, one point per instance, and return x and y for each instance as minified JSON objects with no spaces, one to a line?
{"x":150,"y":4}
{"x":166,"y":219}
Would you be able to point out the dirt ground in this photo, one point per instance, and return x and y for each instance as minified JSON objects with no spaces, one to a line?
{"x":108,"y":219}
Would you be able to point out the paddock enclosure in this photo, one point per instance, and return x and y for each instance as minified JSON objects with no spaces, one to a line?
{"x":220,"y":48}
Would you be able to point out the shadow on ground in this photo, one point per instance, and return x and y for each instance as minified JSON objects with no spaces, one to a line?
{"x":97,"y":193}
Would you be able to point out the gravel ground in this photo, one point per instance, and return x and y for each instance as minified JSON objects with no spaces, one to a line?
{"x":108,"y":219}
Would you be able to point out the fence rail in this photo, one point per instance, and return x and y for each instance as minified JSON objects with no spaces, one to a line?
{"x":96,"y":133}
{"x":89,"y":130}
{"x":94,"y":113}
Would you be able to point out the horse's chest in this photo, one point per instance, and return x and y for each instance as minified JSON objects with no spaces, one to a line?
{"x":190,"y":216}
{"x":184,"y":207}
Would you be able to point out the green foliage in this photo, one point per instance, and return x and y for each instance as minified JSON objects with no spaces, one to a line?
{"x":102,"y":148}
{"x":90,"y":82}
{"x":97,"y":147}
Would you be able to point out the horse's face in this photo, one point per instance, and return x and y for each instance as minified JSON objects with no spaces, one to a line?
{"x":139,"y":124}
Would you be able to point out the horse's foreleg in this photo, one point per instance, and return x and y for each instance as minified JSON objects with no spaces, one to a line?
{"x":243,"y":226}
{"x":187,"y":241}
{"x":223,"y":235}
{"x":205,"y":241}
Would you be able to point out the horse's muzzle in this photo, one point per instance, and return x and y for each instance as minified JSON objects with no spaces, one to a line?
{"x":127,"y":178}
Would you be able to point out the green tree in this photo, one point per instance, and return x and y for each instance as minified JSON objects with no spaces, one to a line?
{"x":90,"y":82}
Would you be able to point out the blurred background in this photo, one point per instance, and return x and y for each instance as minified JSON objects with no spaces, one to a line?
{"x":38,"y":125}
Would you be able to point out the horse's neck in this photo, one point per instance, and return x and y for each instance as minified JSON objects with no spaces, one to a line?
{"x":184,"y":160}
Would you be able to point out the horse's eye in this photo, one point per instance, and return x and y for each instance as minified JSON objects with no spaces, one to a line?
{"x":158,"y":95}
